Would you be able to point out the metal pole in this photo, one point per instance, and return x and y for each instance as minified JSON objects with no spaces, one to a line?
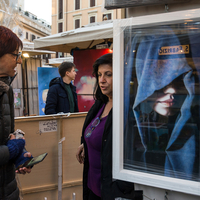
{"x":74,"y":196}
{"x":27,"y":94}
{"x":60,"y":169}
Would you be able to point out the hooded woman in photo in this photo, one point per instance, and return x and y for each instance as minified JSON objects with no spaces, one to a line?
{"x":160,"y":122}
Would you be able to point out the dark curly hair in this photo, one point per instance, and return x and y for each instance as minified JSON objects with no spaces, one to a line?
{"x":105,"y":59}
{"x":9,"y":41}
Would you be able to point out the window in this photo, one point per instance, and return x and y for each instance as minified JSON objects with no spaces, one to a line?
{"x":60,"y":27}
{"x":62,"y":55}
{"x":58,"y":55}
{"x":77,"y":23}
{"x":47,"y":58}
{"x":92,"y":3}
{"x":60,"y":9}
{"x":38,"y":37}
{"x":92,"y":19}
{"x":27,"y":35}
{"x":32,"y":37}
{"x":107,"y":17}
{"x":77,"y":4}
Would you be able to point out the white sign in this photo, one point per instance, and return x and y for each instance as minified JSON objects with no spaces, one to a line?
{"x":48,"y":126}
{"x":102,"y":46}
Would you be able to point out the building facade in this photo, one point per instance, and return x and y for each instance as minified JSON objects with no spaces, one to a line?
{"x":69,"y":15}
{"x":25,"y":24}
{"x":32,"y":27}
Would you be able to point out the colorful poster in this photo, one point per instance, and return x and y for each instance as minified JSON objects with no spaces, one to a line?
{"x":84,"y":82}
{"x":45,"y":75}
{"x":17,"y":98}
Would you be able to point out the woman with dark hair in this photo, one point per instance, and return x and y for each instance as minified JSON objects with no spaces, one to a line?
{"x":11,"y":149}
{"x":97,"y":141}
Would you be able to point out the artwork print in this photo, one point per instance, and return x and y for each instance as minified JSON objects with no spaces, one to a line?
{"x":85,"y":81}
{"x":45,"y":75}
{"x":161,"y":101}
{"x":17,"y":98}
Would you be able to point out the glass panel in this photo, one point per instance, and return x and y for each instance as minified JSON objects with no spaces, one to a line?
{"x":161,"y":100}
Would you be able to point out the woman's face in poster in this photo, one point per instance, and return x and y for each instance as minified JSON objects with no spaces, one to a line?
{"x":168,"y":100}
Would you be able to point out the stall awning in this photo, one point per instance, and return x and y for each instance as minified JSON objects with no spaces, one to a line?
{"x":83,"y":38}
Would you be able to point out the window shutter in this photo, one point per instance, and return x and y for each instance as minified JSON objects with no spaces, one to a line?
{"x":60,"y":27}
{"x":92,"y":3}
{"x":27,"y":35}
{"x":60,"y":9}
{"x":92,"y":19}
{"x":77,"y":23}
{"x":77,"y":4}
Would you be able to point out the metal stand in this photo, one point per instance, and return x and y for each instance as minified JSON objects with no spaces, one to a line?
{"x":60,"y":169}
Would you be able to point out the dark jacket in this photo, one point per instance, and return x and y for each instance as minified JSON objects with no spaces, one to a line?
{"x":8,"y":184}
{"x":57,"y":98}
{"x":110,"y":189}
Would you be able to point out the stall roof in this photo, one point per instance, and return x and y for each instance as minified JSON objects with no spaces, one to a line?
{"x":28,"y":47}
{"x":57,"y":61}
{"x":83,"y":38}
{"x":37,"y":52}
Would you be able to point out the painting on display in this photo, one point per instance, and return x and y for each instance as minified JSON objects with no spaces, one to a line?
{"x":84,"y":82}
{"x":160,"y":106}
{"x":17,"y":98}
{"x":45,"y":75}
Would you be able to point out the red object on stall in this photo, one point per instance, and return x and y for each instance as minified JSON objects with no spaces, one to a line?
{"x":84,"y":82}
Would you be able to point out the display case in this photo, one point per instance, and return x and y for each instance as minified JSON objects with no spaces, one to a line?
{"x":156,"y":72}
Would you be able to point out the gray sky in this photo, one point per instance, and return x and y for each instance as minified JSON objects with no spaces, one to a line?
{"x":41,"y":8}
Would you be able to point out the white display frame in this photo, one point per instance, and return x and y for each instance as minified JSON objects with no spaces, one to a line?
{"x":180,"y":185}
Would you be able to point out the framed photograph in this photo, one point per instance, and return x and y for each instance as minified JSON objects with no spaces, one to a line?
{"x":156,"y":101}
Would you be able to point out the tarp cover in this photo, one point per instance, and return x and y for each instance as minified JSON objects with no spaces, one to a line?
{"x":82,"y":38}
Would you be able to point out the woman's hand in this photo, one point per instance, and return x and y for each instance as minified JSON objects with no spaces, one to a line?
{"x":80,"y":154}
{"x":24,"y":170}
{"x":12,"y":136}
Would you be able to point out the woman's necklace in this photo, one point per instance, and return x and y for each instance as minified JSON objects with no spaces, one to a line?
{"x":104,"y":114}
{"x":106,"y":110}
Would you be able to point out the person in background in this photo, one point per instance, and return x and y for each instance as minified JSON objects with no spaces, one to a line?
{"x":96,"y":148}
{"x":62,"y":96}
{"x":11,"y":149}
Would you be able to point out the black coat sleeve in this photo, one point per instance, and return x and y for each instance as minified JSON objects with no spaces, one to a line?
{"x":4,"y":154}
{"x":125,"y":189}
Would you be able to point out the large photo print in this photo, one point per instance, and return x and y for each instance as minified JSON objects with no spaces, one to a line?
{"x":161,"y":100}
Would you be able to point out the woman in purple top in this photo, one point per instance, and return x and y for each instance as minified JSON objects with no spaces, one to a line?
{"x":96,"y":149}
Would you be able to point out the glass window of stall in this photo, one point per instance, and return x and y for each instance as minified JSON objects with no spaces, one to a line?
{"x":156,"y":113}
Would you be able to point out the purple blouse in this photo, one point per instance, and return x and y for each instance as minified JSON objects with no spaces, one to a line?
{"x":93,"y":137}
